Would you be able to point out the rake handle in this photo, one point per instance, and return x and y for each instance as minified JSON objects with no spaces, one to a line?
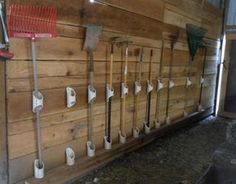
{"x":38,"y":127}
{"x":203,"y":74}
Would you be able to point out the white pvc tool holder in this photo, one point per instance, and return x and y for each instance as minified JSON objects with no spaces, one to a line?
{"x":107,"y":144}
{"x":149,"y":86}
{"x":147,"y":129}
{"x":37,"y":101}
{"x":202,"y":80}
{"x":185,"y":114}
{"x":160,"y":85}
{"x":70,"y":157}
{"x":124,"y":90}
{"x":168,"y":120}
{"x":90,"y":149}
{"x":109,"y":92}
{"x":71,"y":97}
{"x":137,"y":88}
{"x":157,"y":124}
{"x":122,"y":138}
{"x":136,"y":132}
{"x":200,"y":108}
{"x":188,"y":82}
{"x":171,"y":84}
{"x":38,"y":172}
{"x":91,"y":94}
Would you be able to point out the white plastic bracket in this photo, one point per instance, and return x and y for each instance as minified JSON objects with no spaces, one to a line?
{"x":171,"y":84}
{"x":160,"y":85}
{"x":168,"y":120}
{"x":71,"y":97}
{"x":185,"y":114}
{"x":91,"y":94}
{"x":90,"y":149}
{"x":188,"y":82}
{"x":147,"y":129}
{"x":38,"y":172}
{"x":107,"y":144}
{"x":37,"y":101}
{"x":157,"y":124}
{"x":136,"y":132}
{"x":149,"y":86}
{"x":70,"y":157}
{"x":122,"y":138}
{"x":200,"y":108}
{"x":109,"y":92}
{"x":137,"y":88}
{"x":202,"y":80}
{"x":124,"y":89}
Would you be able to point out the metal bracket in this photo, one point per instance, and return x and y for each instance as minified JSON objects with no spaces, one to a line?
{"x":91,"y":94}
{"x":124,"y":89}
{"x":109,"y":92}
{"x":160,"y":85}
{"x":37,"y":101}
{"x":138,"y":88}
{"x":149,"y":86}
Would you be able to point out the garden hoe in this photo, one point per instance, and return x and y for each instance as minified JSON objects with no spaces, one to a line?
{"x":147,"y":123}
{"x":171,"y":84}
{"x":33,"y":22}
{"x":4,"y":46}
{"x":137,"y":91}
{"x":93,"y":33}
{"x":109,"y":95}
{"x":195,"y":36}
{"x":160,"y":87}
{"x":124,"y":93}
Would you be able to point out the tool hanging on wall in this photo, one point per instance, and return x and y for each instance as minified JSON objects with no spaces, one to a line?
{"x":171,"y":84}
{"x":160,"y":86}
{"x":4,"y":46}
{"x":202,"y":77}
{"x":32,"y":22}
{"x":109,"y":95}
{"x":195,"y":36}
{"x":137,"y":91}
{"x":93,"y":33}
{"x":147,"y":123}
{"x":124,"y":93}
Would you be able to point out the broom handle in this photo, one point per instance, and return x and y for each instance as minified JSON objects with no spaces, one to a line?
{"x":91,"y":82}
{"x":150,"y":93}
{"x":38,"y":127}
{"x":123,"y":103}
{"x":203,"y":74}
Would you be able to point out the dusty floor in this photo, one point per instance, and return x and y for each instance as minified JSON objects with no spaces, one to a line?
{"x":180,"y":157}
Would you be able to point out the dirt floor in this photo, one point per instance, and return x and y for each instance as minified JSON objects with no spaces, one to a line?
{"x":182,"y":157}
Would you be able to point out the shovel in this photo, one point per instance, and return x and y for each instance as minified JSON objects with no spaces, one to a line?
{"x":93,"y":33}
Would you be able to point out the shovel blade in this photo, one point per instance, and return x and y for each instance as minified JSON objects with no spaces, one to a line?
{"x":93,"y":33}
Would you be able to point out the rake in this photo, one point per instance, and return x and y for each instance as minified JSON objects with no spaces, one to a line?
{"x":32,"y":22}
{"x":195,"y":36}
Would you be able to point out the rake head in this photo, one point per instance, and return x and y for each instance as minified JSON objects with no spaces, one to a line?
{"x":31,"y":21}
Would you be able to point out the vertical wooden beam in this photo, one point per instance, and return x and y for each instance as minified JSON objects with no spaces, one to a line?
{"x":3,"y":123}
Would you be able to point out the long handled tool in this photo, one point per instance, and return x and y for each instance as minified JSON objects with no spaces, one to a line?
{"x":109,"y":95}
{"x":93,"y":33}
{"x":171,"y":83}
{"x":32,"y":22}
{"x":147,"y":123}
{"x":4,"y":46}
{"x":202,"y":77}
{"x":160,"y":86}
{"x":195,"y":35}
{"x":124,"y":93}
{"x":137,"y":90}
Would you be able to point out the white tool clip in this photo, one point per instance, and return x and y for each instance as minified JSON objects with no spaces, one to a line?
{"x":137,"y":87}
{"x":109,"y":92}
{"x":90,"y":149}
{"x":168,"y":120}
{"x":157,"y":124}
{"x":91,"y":94}
{"x":188,"y":82}
{"x":147,"y":129}
{"x":185,"y":114}
{"x":124,"y":90}
{"x":202,"y":80}
{"x":200,"y":108}
{"x":149,"y":86}
{"x":160,"y":85}
{"x":136,"y":132}
{"x":38,"y":172}
{"x":70,"y":157}
{"x":171,"y":84}
{"x":71,"y":97}
{"x":37,"y":101}
{"x":107,"y":144}
{"x":122,"y":138}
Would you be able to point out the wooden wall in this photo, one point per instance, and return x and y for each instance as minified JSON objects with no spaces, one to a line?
{"x":62,"y":63}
